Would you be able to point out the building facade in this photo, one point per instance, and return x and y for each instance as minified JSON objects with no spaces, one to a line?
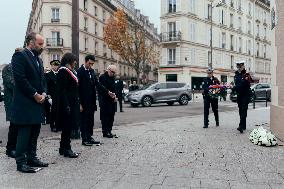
{"x":53,"y":19}
{"x":240,"y":31}
{"x":277,"y":90}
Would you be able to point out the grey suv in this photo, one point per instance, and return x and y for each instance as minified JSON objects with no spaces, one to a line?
{"x":167,"y":92}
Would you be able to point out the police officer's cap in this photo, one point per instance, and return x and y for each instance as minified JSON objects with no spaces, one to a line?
{"x":242,"y":62}
{"x":210,"y":70}
{"x":55,"y":62}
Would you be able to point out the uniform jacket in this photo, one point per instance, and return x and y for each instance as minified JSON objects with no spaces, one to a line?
{"x":207,"y":82}
{"x":107,"y":103}
{"x":29,"y":79}
{"x":8,"y":83}
{"x":88,"y":84}
{"x":242,"y":83}
{"x":51,"y":81}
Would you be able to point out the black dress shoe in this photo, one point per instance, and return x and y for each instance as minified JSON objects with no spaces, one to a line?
{"x":87,"y":143}
{"x":26,"y":169}
{"x":11,"y":154}
{"x":240,"y":129}
{"x":61,"y":151}
{"x":107,"y":135}
{"x":37,"y":163}
{"x":70,"y":154}
{"x":205,"y":126}
{"x":93,"y":141}
{"x":217,"y":124}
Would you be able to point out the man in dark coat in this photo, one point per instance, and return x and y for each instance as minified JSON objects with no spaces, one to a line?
{"x":28,"y":99}
{"x":208,"y":100}
{"x":242,"y":88}
{"x":51,"y":81}
{"x":119,"y":91}
{"x":108,"y":103}
{"x":88,"y":84}
{"x":9,"y":83}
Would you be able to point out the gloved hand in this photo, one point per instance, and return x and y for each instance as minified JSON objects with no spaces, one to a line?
{"x":50,"y":101}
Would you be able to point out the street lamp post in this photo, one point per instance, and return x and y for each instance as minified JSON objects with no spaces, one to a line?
{"x":211,"y":32}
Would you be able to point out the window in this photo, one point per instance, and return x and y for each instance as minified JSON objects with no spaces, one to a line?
{"x":104,"y":16}
{"x":171,"y":56}
{"x":96,"y":10}
{"x":85,"y":23}
{"x":96,"y":47}
{"x":104,"y":50}
{"x":192,"y":6}
{"x":223,"y":40}
{"x":172,"y":85}
{"x":240,"y":23}
{"x":249,"y":9}
{"x":264,"y":51}
{"x":55,"y":56}
{"x":161,"y":86}
{"x":172,"y":6}
{"x":172,"y":31}
{"x":257,"y":49}
{"x":209,"y":58}
{"x":192,"y":32}
{"x":209,"y":11}
{"x":265,"y":33}
{"x":249,"y":27}
{"x":86,"y":43}
{"x":96,"y":26}
{"x":85,"y":4}
{"x":257,"y":30}
{"x":249,"y":47}
{"x":55,"y":15}
{"x":222,"y":17}
{"x":171,"y":77}
{"x":55,"y":40}
{"x":231,"y":20}
{"x":240,"y":44}
{"x":232,"y":42}
{"x":232,"y":62}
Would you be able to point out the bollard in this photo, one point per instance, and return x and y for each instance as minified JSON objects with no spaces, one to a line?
{"x":266,"y":98}
{"x":193,"y":95}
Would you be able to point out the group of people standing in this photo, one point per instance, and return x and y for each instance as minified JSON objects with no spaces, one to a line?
{"x":242,"y":81}
{"x":69,"y":94}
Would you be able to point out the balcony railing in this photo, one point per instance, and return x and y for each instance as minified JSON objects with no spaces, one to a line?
{"x":171,"y":36}
{"x":54,"y":42}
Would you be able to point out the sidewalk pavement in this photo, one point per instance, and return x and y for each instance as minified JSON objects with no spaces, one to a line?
{"x":173,"y":153}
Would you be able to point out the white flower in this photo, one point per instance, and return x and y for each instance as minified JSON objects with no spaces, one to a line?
{"x":261,"y":136}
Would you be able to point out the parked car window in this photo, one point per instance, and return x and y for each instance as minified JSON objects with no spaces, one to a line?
{"x":258,"y":86}
{"x":265,"y":86}
{"x":161,"y":86}
{"x":181,"y":85}
{"x":173,"y":85}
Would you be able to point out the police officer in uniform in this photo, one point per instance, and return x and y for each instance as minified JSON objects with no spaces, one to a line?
{"x":242,"y":88}
{"x":51,"y":81}
{"x":210,"y":80}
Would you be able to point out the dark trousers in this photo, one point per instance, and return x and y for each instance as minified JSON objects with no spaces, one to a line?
{"x":214,"y":105}
{"x":107,"y":120}
{"x":67,"y":125}
{"x":243,"y":102}
{"x":53,"y":118}
{"x":26,"y":142}
{"x":12,"y":137}
{"x":120,"y":103}
{"x":87,"y":125}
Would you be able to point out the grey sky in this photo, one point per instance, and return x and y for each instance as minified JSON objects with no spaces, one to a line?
{"x":14,"y":17}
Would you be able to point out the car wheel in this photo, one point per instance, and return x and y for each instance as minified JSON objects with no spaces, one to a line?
{"x":146,"y":101}
{"x":134,"y":105}
{"x":183,"y":100}
{"x":170,"y":103}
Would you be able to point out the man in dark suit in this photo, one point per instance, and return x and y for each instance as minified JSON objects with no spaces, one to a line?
{"x":119,"y":91}
{"x":108,"y":103}
{"x":28,"y":99}
{"x":51,"y":81}
{"x":88,"y":84}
